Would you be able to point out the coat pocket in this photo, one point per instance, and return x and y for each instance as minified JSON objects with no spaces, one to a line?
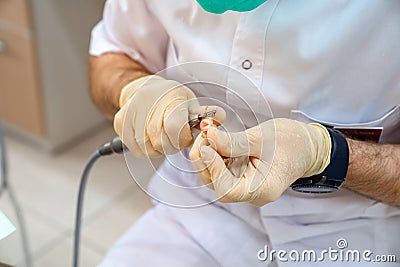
{"x":385,"y":129}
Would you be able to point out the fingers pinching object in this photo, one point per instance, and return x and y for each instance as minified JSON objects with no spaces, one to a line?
{"x":195,"y":119}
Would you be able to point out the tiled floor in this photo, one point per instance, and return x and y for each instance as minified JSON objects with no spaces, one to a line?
{"x":46,"y":187}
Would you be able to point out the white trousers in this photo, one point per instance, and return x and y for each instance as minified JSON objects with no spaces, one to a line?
{"x":212,"y":236}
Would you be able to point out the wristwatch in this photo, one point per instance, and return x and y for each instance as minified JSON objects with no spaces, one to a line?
{"x":332,"y":178}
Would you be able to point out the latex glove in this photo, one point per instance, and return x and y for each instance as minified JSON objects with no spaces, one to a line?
{"x":267,"y":159}
{"x":153,"y":119}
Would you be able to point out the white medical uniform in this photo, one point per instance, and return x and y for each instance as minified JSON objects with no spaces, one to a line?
{"x":336,"y":62}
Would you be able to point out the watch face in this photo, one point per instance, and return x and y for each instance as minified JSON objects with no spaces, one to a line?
{"x":316,"y":189}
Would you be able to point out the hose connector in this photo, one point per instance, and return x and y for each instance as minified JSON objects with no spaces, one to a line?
{"x":115,"y":146}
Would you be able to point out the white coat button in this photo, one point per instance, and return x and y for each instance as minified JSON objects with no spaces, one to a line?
{"x":247,"y":64}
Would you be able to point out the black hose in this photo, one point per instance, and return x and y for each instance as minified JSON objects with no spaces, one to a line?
{"x":79,"y":207}
{"x":115,"y":146}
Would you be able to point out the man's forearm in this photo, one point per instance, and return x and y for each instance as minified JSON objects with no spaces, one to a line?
{"x":374,"y":170}
{"x":109,"y":73}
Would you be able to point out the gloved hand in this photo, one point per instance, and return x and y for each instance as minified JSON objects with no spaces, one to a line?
{"x":153,"y":119}
{"x":264,"y":160}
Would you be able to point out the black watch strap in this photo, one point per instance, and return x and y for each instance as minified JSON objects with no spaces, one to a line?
{"x":337,"y":168}
{"x":333,"y":176}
